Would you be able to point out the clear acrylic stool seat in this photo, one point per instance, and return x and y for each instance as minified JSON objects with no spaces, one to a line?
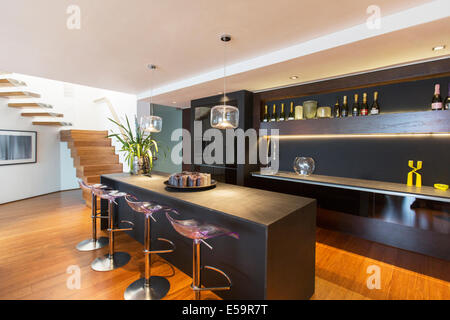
{"x":150,"y":287}
{"x":199,"y":232}
{"x":112,"y":260}
{"x":95,"y":242}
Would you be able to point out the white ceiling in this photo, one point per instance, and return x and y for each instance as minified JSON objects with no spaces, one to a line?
{"x":119,"y":38}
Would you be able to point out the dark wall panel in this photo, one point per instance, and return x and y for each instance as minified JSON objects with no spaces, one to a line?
{"x":397,"y":97}
{"x":379,"y":158}
{"x":384,"y":159}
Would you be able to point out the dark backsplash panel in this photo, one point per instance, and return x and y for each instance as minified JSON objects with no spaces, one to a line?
{"x":384,"y":159}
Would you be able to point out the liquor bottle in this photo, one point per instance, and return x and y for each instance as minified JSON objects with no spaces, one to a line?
{"x":337,"y":109}
{"x":447,"y":100}
{"x":364,"y":111}
{"x":344,"y":110}
{"x":355,"y":109}
{"x":291,"y":112}
{"x":375,"y":107}
{"x":266,"y":114}
{"x":274,"y":114}
{"x":282,"y":115}
{"x":436,"y":102}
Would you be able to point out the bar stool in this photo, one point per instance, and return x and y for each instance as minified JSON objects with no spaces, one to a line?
{"x":94,"y":243}
{"x":150,"y":287}
{"x":198,"y":232}
{"x":112,"y":260}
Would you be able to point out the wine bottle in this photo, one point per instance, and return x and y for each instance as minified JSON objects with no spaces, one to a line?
{"x":447,"y":100}
{"x":337,"y":109}
{"x":355,"y":109}
{"x":364,"y":111}
{"x":266,"y":114}
{"x":282,"y":115}
{"x":436,"y":102}
{"x":375,"y":109}
{"x":274,"y":113}
{"x":291,"y":112}
{"x":344,"y":110}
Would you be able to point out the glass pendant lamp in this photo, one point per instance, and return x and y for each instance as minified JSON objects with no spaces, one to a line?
{"x":151,"y":123}
{"x":224,"y":116}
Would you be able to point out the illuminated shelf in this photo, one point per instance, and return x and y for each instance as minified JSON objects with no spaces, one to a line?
{"x":424,"y":122}
{"x":390,"y":188}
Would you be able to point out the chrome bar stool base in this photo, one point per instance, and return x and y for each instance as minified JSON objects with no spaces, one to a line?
{"x":149,"y":287}
{"x":91,"y":244}
{"x":198,"y":232}
{"x":94,"y":243}
{"x":108,"y":263}
{"x":157,"y":290}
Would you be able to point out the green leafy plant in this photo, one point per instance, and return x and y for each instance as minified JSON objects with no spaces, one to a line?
{"x":140,"y":144}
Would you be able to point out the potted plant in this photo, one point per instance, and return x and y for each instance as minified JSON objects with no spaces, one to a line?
{"x":141,"y":150}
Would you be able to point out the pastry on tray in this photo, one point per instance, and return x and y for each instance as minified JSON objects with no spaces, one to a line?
{"x":190,"y":179}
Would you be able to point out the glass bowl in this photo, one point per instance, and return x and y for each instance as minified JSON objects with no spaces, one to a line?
{"x":304,"y":166}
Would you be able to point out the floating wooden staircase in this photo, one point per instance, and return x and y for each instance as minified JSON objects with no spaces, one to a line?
{"x":41,"y":109}
{"x":93,"y":155}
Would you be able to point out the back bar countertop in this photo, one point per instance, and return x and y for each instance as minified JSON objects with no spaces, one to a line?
{"x":277,"y":232}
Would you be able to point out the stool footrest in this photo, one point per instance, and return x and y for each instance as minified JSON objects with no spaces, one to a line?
{"x":98,"y":216}
{"x":228,"y":287}
{"x":123,"y":229}
{"x":162,"y":251}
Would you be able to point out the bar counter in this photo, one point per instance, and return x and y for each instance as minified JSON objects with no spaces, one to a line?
{"x":275,"y":255}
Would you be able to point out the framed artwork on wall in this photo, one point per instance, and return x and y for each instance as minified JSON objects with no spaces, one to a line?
{"x":17,"y":147}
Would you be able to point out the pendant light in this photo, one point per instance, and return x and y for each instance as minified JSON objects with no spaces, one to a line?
{"x":224,"y":116}
{"x":151,"y":123}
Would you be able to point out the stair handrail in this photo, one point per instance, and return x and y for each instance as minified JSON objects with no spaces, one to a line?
{"x":113,"y":112}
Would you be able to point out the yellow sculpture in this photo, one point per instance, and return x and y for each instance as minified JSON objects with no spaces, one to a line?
{"x":409,"y":182}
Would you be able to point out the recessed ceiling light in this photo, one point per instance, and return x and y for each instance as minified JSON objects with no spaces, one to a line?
{"x":219,"y":92}
{"x":174,"y":102}
{"x":293,"y":77}
{"x":438,"y":47}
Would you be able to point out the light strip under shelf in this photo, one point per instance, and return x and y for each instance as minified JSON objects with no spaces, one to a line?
{"x":357,"y":135}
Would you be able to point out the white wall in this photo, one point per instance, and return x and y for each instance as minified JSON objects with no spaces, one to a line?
{"x":54,"y":169}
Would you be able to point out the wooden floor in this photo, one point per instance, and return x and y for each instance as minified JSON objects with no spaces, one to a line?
{"x":38,"y":238}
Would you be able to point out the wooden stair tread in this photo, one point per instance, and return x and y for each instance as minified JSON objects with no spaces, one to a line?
{"x":79,"y":164}
{"x":72,"y":135}
{"x":99,"y":157}
{"x":42,"y":114}
{"x":84,"y":160}
{"x":96,"y":148}
{"x":81,"y":174}
{"x":30,"y":105}
{"x":12,"y":83}
{"x":52,"y":123}
{"x":103,"y":142}
{"x":80,"y":151}
{"x":100,"y":132}
{"x":102,"y":166}
{"x":93,"y":170}
{"x":91,"y":179}
{"x":19,"y":94}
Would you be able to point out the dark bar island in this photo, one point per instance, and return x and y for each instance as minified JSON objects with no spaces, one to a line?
{"x":275,"y":255}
